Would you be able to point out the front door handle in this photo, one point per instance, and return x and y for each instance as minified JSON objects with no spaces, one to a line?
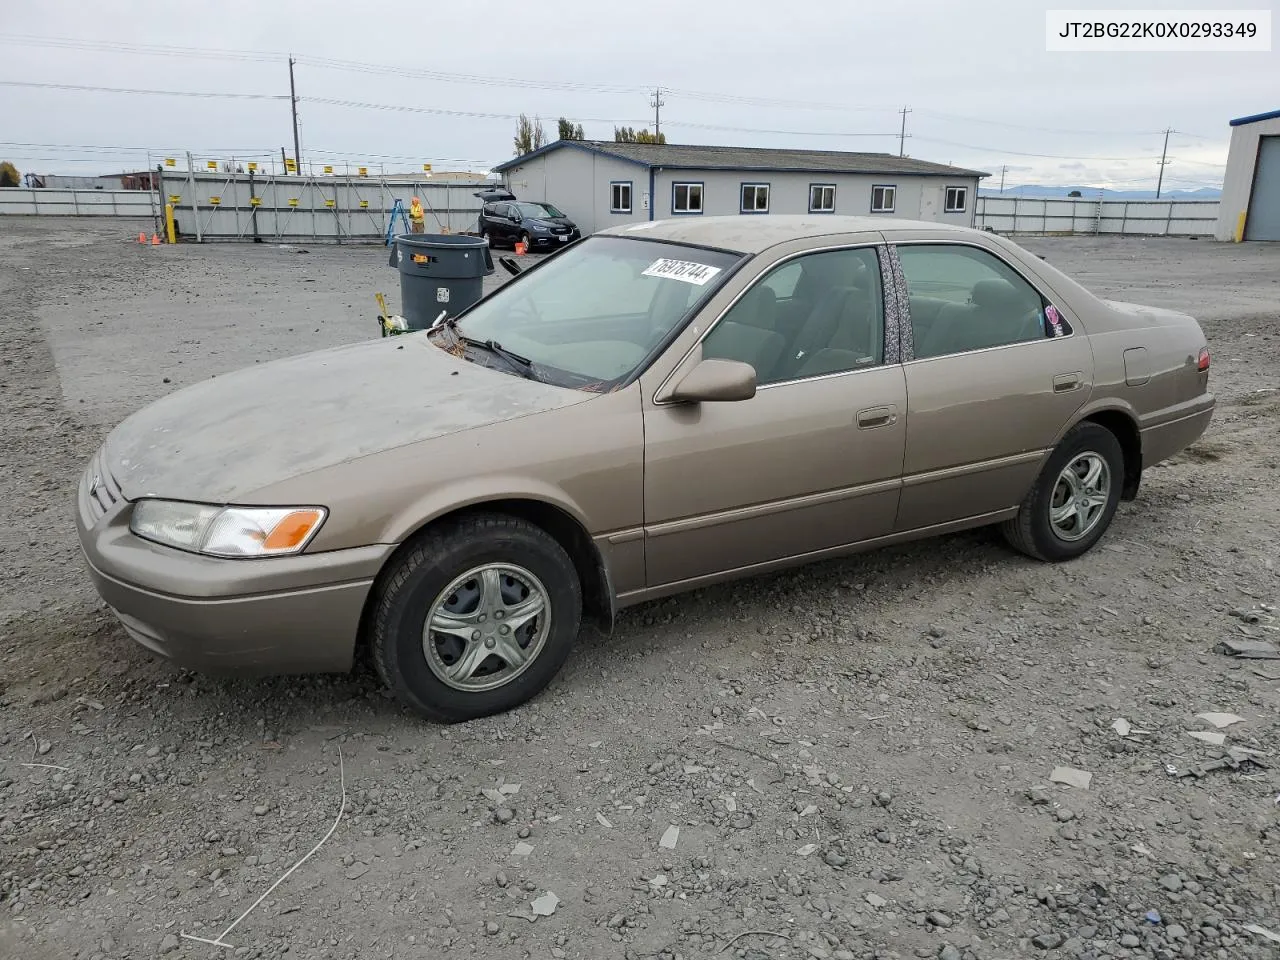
{"x":1064,"y":382}
{"x":877,"y":417}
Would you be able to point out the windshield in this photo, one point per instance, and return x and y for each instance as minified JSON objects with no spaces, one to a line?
{"x":538,"y":211}
{"x":591,"y":315}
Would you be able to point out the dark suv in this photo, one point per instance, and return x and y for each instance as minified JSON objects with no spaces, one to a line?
{"x":540,"y":225}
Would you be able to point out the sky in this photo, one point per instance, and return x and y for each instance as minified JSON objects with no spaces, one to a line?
{"x":385,"y":88}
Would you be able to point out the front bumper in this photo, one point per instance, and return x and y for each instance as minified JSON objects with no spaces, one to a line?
{"x":554,"y":239}
{"x":258,"y":617}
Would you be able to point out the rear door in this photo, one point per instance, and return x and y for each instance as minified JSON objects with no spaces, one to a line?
{"x":991,"y":381}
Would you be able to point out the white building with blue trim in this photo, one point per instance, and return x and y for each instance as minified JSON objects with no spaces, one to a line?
{"x":601,"y":183}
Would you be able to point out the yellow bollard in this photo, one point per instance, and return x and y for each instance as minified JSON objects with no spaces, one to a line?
{"x":170,"y":230}
{"x":1240,"y":226}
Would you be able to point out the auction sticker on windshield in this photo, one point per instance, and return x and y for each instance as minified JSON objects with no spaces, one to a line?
{"x":686,"y":270}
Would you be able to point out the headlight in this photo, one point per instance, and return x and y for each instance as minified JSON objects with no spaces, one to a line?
{"x":541,"y":228}
{"x":227,"y":531}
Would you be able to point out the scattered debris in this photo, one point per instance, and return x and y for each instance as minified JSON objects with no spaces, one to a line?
{"x":1263,"y":932}
{"x":876,"y":900}
{"x":545,"y":905}
{"x":522,"y":849}
{"x":754,"y":933}
{"x":1248,"y":649}
{"x":219,"y":940}
{"x":1208,"y":736}
{"x":807,"y":850}
{"x":1153,"y":916}
{"x":603,"y":821}
{"x":1233,"y":761}
{"x":1080,"y":779}
{"x":1220,"y":720}
{"x":669,"y":837}
{"x":1122,"y":727}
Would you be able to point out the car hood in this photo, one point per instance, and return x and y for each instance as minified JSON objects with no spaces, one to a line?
{"x":228,"y":436}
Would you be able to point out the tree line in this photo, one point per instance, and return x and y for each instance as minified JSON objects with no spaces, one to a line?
{"x":530,"y":134}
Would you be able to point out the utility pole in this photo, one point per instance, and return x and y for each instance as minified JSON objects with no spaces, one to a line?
{"x":1003,"y":168}
{"x":1163,"y":154}
{"x":657,"y":103}
{"x":902,"y":136}
{"x":293,"y":102}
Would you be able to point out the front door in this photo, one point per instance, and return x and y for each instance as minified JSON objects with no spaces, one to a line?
{"x":991,"y":381}
{"x":811,"y":462}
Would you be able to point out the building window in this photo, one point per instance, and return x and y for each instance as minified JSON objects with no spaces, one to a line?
{"x":822,"y":198}
{"x":883,"y":198}
{"x":956,"y":197}
{"x":754,"y":198}
{"x":686,"y":198}
{"x":620,"y":196}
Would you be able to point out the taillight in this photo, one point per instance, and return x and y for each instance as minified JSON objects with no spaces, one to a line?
{"x":1202,"y":361}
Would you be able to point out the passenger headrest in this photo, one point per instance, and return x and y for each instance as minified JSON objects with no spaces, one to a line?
{"x":994,"y":293}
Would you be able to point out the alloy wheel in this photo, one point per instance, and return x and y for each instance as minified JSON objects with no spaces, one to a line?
{"x":1080,"y":496}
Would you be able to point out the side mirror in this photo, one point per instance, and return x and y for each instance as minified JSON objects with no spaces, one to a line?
{"x":713,"y":380}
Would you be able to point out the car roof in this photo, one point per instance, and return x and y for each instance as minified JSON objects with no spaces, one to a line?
{"x":751,"y":234}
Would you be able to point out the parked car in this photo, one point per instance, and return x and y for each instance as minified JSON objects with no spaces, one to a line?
{"x":540,"y":225}
{"x":662,"y":406}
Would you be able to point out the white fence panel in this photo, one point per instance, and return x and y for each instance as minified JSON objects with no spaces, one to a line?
{"x":32,"y":201}
{"x":1078,"y":215}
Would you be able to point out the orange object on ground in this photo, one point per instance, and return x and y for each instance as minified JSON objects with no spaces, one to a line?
{"x":142,"y":237}
{"x":155,"y":239}
{"x":520,"y":248}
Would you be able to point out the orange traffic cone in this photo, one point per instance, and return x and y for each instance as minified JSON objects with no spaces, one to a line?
{"x":520,"y":248}
{"x":155,"y":239}
{"x":142,"y":237}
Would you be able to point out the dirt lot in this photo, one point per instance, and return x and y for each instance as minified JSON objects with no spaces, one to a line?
{"x":857,"y":755}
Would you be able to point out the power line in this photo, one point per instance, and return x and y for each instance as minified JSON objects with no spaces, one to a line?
{"x":86,"y":88}
{"x":1018,"y":153}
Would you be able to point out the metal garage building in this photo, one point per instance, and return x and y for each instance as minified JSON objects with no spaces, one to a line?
{"x":602,"y":183}
{"x":1251,"y":187}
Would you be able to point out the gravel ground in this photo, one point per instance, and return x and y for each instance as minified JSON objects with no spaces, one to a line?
{"x":847,"y":761}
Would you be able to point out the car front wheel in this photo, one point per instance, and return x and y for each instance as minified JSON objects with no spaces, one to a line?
{"x":476,"y":617}
{"x":1073,"y":499}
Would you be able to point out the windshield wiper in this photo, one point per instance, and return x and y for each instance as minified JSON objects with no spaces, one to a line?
{"x":522,"y":365}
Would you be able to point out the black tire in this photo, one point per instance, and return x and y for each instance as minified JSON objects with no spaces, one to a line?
{"x":1031,"y":530}
{"x":431,"y":563}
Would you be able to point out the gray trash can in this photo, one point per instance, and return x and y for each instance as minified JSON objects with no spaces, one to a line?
{"x":439,"y":272}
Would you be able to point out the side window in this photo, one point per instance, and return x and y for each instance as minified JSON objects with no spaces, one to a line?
{"x":819,"y":314}
{"x":487,"y":209}
{"x":963,"y":298}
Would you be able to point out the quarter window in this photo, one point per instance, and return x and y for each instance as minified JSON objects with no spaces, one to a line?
{"x":883,"y":199}
{"x":963,"y":298}
{"x":620,"y":197}
{"x":686,"y":198}
{"x":822,"y":198}
{"x":755,"y":198}
{"x":819,"y":314}
{"x":956,"y":199}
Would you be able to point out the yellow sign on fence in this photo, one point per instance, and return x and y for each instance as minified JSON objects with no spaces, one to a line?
{"x":255,"y":201}
{"x":170,"y":162}
{"x":211,"y":164}
{"x":215,"y":200}
{"x":290,"y":163}
{"x":293,"y":201}
{"x":426,"y":168}
{"x":331,"y":203}
{"x":364,"y":204}
{"x":175,"y":198}
{"x":252,"y":166}
{"x":364,"y":171}
{"x":328,"y":168}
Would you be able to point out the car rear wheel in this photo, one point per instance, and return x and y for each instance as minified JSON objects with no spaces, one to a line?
{"x":476,"y":617}
{"x":527,"y":241}
{"x":1073,"y":500}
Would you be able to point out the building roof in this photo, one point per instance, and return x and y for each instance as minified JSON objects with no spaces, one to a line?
{"x":1241,"y":121}
{"x":753,"y":234}
{"x":675,"y":156}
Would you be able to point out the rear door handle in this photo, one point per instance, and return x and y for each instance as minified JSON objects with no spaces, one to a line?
{"x":1064,"y":382}
{"x":877,"y":417}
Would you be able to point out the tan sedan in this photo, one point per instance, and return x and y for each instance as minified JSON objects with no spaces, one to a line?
{"x":655,"y":408}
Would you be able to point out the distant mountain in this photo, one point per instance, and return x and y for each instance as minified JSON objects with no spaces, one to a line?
{"x":1091,"y":193}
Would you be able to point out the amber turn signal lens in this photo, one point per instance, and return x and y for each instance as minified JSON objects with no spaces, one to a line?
{"x":292,"y":530}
